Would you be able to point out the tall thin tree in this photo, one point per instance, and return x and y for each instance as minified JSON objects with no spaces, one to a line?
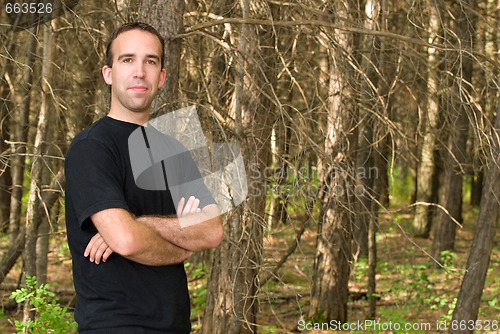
{"x":469,"y":297}
{"x":329,"y":292}
{"x":232,"y":303}
{"x":18,"y":146}
{"x":430,"y":107}
{"x":444,"y":237}
{"x":33,"y":211}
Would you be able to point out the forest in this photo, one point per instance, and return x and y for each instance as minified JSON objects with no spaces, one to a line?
{"x":370,"y":135}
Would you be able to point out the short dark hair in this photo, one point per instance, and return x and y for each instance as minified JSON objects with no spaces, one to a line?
{"x":133,"y":26}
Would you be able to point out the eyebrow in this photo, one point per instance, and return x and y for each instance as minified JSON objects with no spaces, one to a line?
{"x":127,"y":55}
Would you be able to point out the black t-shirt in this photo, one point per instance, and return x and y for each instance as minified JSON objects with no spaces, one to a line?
{"x":120,"y":295}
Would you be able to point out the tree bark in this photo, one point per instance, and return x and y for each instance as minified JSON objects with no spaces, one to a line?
{"x":6,"y":96}
{"x":425,"y":171}
{"x":16,"y":248}
{"x":365,"y":156}
{"x":476,"y":188}
{"x":232,"y":304}
{"x":444,"y":237}
{"x":18,"y":147}
{"x":5,"y":173}
{"x":278,"y":202}
{"x":33,"y":210}
{"x":167,"y":18}
{"x":469,"y":297}
{"x":329,"y":291}
{"x":372,"y":267}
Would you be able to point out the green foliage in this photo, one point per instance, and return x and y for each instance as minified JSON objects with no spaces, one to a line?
{"x":361,"y":270}
{"x":417,"y":285}
{"x":270,"y":286}
{"x":3,"y":320}
{"x":494,"y":282}
{"x":451,"y":307}
{"x":400,"y":185}
{"x":198,"y":292}
{"x":448,"y":258}
{"x":64,"y":252}
{"x":267,"y":329}
{"x":318,"y":317}
{"x":397,"y":317}
{"x":51,"y":318}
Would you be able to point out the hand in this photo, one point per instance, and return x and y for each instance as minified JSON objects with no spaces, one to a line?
{"x":97,"y":249}
{"x":190,"y":207}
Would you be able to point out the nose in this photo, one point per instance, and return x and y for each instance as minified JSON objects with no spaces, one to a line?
{"x":139,"y":71}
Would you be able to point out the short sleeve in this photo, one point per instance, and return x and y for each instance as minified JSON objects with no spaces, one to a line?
{"x":93,"y":179}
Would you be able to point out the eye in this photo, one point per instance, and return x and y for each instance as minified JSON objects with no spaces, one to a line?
{"x":127,"y":60}
{"x":151,"y":62}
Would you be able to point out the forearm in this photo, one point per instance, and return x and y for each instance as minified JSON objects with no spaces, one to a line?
{"x":194,"y":232}
{"x":154,"y":250}
{"x":124,"y":235}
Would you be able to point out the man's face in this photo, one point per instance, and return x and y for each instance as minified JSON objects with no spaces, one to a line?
{"x":136,"y":74}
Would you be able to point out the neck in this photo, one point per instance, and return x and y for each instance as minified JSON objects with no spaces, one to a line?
{"x":140,"y":118}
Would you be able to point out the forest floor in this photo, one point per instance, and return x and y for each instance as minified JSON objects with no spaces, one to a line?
{"x":412,"y":292}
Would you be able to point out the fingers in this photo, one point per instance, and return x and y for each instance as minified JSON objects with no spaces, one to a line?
{"x":97,"y":249}
{"x":99,"y":252}
{"x":106,"y":254}
{"x":90,"y":246}
{"x":191,"y":206}
{"x":180,"y":206}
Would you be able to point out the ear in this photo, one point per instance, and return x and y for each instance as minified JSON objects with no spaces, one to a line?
{"x":106,"y":74}
{"x":163,"y":74}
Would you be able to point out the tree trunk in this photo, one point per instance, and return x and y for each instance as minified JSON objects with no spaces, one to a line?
{"x":48,"y":107}
{"x":42,"y":249}
{"x":232,"y":304}
{"x":370,"y":154}
{"x":372,"y":267}
{"x":6,"y":104}
{"x":476,"y":188}
{"x":437,"y":180}
{"x":426,"y":165}
{"x":329,"y":292}
{"x":469,"y":297}
{"x":33,"y":211}
{"x":5,"y":173}
{"x":15,"y":249}
{"x":167,"y":18}
{"x":278,"y":201}
{"x":365,"y":157}
{"x":444,"y":238}
{"x":18,"y":146}
{"x":11,"y":255}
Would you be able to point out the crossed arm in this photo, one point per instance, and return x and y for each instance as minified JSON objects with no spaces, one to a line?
{"x":155,"y":240}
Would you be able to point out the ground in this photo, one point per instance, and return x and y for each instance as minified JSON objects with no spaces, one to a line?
{"x":412,"y":292}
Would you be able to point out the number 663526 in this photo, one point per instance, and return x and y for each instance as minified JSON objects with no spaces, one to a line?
{"x":28,"y":8}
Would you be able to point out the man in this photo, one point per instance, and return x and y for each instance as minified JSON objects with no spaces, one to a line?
{"x":126,"y":242}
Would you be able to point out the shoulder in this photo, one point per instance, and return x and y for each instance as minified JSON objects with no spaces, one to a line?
{"x":94,"y":135}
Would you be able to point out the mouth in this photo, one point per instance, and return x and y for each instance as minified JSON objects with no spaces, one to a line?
{"x":138,"y":89}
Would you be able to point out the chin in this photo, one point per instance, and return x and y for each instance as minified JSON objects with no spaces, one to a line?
{"x":139,"y":109}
